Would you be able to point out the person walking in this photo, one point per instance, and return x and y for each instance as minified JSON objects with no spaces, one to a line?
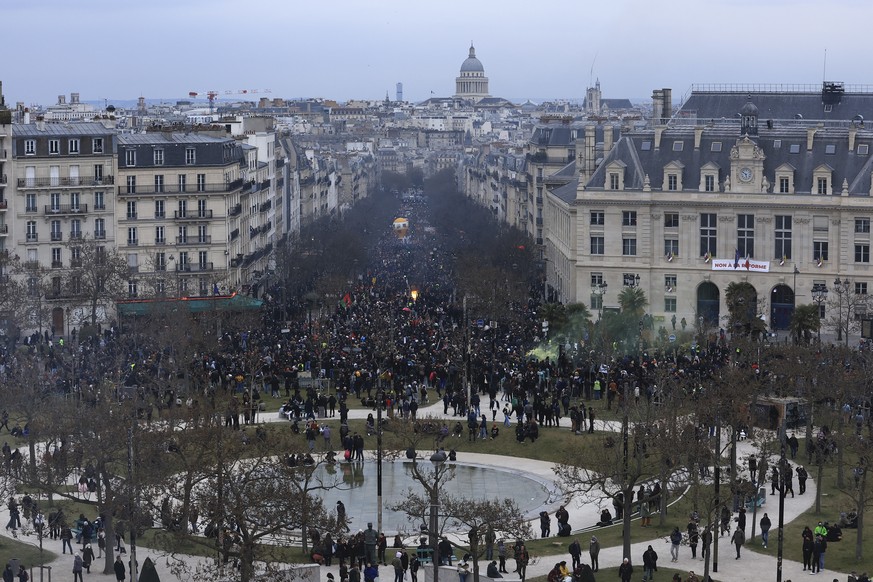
{"x":23,"y":576}
{"x":693,"y":538}
{"x":675,"y":540}
{"x":397,"y":564}
{"x":706,"y":540}
{"x":594,"y":552}
{"x":738,"y":539}
{"x":78,"y":564}
{"x":625,"y":571}
{"x":802,"y":476}
{"x":501,"y":556}
{"x":650,"y":564}
{"x":8,"y":574}
{"x":87,"y":557}
{"x":120,"y":570}
{"x":575,"y":553}
{"x":819,"y":548}
{"x":66,"y":539}
{"x":765,"y":529}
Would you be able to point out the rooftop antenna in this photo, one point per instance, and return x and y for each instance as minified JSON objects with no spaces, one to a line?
{"x":824,"y":71}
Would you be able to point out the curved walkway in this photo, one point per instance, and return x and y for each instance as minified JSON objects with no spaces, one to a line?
{"x":752,"y":567}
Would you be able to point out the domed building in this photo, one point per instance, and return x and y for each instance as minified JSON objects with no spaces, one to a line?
{"x":471,"y":84}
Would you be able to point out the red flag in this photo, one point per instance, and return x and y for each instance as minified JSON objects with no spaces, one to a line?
{"x":347,"y":299}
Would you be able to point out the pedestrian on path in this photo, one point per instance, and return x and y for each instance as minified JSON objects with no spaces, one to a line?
{"x":594,"y":552}
{"x":120,"y":570}
{"x":738,"y":539}
{"x":8,"y":574}
{"x":675,"y":540}
{"x":23,"y":576}
{"x":77,"y":567}
{"x":650,"y":564}
{"x":765,"y":529}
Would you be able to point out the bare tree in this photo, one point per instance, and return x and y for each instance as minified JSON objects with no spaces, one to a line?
{"x":97,"y":275}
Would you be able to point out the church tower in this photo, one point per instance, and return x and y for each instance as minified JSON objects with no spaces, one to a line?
{"x":471,"y":84}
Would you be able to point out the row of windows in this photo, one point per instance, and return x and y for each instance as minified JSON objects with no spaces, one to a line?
{"x":158,"y":157}
{"x":159,"y":183}
{"x":160,"y":287}
{"x":184,"y":235}
{"x":54,"y":146}
{"x":182,"y":209}
{"x":56,"y":202}
{"x":671,"y":220}
{"x":794,"y":148}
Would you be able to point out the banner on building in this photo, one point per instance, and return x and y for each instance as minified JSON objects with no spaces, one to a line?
{"x":741,"y":265}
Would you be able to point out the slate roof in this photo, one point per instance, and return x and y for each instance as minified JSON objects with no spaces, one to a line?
{"x":706,"y":105}
{"x":62,"y":129}
{"x":158,"y":138}
{"x":637,"y":151}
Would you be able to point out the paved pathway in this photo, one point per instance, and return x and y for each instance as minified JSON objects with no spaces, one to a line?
{"x":752,"y":567}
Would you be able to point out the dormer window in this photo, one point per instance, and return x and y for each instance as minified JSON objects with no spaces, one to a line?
{"x":709,"y":177}
{"x":678,"y":146}
{"x":615,"y":175}
{"x":785,"y":179}
{"x":822,"y":182}
{"x":673,"y":177}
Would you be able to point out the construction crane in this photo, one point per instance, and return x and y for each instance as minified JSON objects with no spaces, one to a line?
{"x":212,"y":94}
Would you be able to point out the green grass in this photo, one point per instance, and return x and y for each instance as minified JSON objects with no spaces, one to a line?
{"x":26,"y":554}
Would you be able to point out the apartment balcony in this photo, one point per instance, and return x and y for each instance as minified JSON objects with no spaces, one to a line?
{"x":198,"y":215}
{"x":133,"y":242}
{"x":57,"y":264}
{"x":26,"y":183}
{"x":31,"y":237}
{"x":99,"y":235}
{"x":57,"y":236}
{"x":3,"y":179}
{"x":234,"y":234}
{"x":160,"y":242}
{"x":62,"y":209}
{"x":266,"y":206}
{"x":4,"y":205}
{"x":236,"y":210}
{"x":133,"y":268}
{"x":194,"y":268}
{"x":4,"y":229}
{"x":194,"y":240}
{"x":149,"y":189}
{"x":77,"y":235}
{"x":3,"y":155}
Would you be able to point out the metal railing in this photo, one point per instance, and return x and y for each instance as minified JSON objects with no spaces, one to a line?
{"x":64,"y":182}
{"x":66,"y":209}
{"x":197,"y":215}
{"x":194,"y":240}
{"x":194,"y":267}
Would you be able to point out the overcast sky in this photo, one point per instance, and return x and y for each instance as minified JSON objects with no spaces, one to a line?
{"x":344,"y":49}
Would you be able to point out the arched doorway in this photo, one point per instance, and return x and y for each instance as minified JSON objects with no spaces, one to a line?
{"x":781,"y":306}
{"x":708,"y":303}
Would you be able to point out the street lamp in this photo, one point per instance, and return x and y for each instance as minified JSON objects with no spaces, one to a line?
{"x":819,"y":295}
{"x":841,"y":287}
{"x":438,"y":459}
{"x":599,"y":289}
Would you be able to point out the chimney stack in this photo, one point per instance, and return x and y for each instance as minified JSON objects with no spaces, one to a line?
{"x":40,"y":123}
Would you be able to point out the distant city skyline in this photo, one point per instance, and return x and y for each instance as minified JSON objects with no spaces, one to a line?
{"x":106,"y":50}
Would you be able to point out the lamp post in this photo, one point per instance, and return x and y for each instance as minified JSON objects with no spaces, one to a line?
{"x":599,"y":289}
{"x":841,"y":287}
{"x":819,"y":295}
{"x":438,"y":459}
{"x":783,"y":467}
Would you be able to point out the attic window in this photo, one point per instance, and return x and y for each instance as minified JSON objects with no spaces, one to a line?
{"x":863,"y":149}
{"x":646,"y":146}
{"x":777,"y":144}
{"x":716,"y":146}
{"x":794,"y":148}
{"x":678,"y":145}
{"x":828,"y":108}
{"x":830,"y":149}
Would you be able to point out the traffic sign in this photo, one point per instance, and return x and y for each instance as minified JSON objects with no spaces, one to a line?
{"x":672,"y":337}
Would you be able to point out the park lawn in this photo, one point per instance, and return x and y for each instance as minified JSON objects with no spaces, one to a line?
{"x":840,"y":556}
{"x":25,"y":552}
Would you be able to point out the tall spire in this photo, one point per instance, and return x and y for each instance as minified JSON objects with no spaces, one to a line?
{"x":472,"y":51}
